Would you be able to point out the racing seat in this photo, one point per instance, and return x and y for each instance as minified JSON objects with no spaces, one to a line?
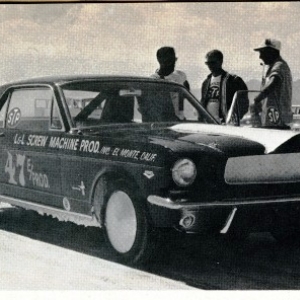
{"x":118,"y":110}
{"x":157,"y":106}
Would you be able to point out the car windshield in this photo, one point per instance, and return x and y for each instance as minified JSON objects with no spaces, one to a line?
{"x":93,"y":103}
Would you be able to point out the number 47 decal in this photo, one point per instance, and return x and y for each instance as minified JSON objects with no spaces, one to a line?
{"x":10,"y":168}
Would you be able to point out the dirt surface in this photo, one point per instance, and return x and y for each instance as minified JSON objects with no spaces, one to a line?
{"x":41,"y":253}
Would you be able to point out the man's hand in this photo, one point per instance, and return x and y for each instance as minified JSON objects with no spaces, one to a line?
{"x":255,"y":108}
{"x":261,"y":96}
{"x":256,"y":100}
{"x":180,"y":115}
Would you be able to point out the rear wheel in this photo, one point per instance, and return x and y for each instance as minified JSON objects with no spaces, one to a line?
{"x":126,"y":226}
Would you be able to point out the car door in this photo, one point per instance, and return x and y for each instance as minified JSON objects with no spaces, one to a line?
{"x":29,"y":170}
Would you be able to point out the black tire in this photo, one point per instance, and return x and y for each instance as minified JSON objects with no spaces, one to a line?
{"x":126,"y":226}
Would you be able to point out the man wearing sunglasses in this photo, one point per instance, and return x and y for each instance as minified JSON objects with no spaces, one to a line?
{"x":219,"y":88}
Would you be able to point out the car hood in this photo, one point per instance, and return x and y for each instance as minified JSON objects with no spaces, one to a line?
{"x":187,"y":137}
{"x":270,"y":139}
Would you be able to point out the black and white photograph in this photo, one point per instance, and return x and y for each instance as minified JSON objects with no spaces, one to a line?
{"x":151,"y":147}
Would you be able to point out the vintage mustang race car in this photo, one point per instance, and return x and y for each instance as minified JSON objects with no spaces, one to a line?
{"x":115,"y":152}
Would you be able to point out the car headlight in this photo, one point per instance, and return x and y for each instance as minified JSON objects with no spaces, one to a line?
{"x":184,"y":172}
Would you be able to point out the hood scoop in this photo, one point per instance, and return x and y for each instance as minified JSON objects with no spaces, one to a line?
{"x":271,"y":139}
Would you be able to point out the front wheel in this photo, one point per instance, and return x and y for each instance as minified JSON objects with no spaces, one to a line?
{"x":127,"y":229}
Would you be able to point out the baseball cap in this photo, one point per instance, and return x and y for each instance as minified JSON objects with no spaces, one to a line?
{"x":269,"y":43}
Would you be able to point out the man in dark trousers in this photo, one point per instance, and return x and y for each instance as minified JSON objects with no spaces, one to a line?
{"x":219,"y":87}
{"x":274,"y":102}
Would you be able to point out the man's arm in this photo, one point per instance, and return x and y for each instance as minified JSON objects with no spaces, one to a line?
{"x":203,"y":94}
{"x":271,"y":85}
{"x":187,"y":85}
{"x":243,"y":103}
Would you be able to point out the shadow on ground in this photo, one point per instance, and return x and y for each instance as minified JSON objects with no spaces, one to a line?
{"x":257,"y":263}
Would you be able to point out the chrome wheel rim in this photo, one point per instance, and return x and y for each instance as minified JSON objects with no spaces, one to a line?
{"x":121,"y":221}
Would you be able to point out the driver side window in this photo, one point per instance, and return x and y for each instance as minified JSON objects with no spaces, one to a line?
{"x":3,"y":113}
{"x":55,"y":116}
{"x":29,"y":109}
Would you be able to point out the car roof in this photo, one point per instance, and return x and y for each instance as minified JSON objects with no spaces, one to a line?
{"x":59,"y":79}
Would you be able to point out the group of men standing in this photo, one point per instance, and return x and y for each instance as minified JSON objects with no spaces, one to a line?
{"x":272,"y":105}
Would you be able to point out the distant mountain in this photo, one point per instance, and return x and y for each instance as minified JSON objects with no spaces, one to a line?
{"x":253,"y":84}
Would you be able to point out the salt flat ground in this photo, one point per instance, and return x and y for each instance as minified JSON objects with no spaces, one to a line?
{"x":29,"y":263}
{"x":41,"y":253}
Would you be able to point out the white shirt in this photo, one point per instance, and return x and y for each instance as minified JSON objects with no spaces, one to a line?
{"x":213,"y":104}
{"x":177,"y":76}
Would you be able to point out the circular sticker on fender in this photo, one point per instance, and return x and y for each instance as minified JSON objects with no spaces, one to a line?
{"x":13,"y":117}
{"x":273,"y":115}
{"x":66,"y":204}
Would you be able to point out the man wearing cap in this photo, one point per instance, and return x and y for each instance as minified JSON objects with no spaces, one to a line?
{"x":167,"y":59}
{"x":275,"y":99}
{"x":219,"y":87}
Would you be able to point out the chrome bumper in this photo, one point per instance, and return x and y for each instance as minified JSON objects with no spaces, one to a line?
{"x":183,"y":204}
{"x":204,"y":216}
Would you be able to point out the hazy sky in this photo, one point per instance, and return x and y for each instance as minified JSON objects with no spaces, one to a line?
{"x":122,"y":38}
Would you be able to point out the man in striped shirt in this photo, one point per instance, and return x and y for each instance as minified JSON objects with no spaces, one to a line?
{"x":274,"y":102}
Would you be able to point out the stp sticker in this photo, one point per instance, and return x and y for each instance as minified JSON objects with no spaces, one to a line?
{"x":273,"y":115}
{"x":66,"y":204}
{"x":13,"y":117}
